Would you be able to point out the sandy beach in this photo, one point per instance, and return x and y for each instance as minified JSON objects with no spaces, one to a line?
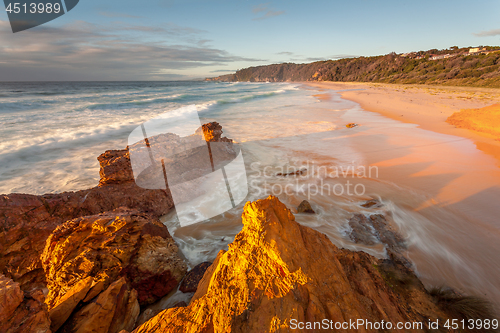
{"x":446,"y":180}
{"x":426,"y":106}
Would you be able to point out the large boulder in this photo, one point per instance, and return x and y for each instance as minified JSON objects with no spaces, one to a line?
{"x":85,"y":256}
{"x":277,"y":271}
{"x":20,"y":312}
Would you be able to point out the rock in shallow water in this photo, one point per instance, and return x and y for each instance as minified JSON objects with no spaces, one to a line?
{"x":190,"y":282}
{"x":373,"y":203}
{"x":305,"y":207}
{"x":374,"y":229}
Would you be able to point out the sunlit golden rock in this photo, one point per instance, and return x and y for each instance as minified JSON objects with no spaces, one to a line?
{"x":113,"y":310}
{"x":84,"y":256}
{"x":277,"y":270}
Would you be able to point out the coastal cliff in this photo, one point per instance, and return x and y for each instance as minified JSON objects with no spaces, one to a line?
{"x":455,"y":67}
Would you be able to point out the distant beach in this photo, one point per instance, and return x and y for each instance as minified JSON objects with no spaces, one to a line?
{"x":424,"y":105}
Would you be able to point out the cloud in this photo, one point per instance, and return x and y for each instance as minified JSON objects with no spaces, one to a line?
{"x":270,"y":13}
{"x":84,"y":51}
{"x":285,"y":53}
{"x":260,"y":8}
{"x":264,"y":7}
{"x":224,"y":71}
{"x":108,"y":14}
{"x":488,"y":33}
{"x":342,"y":56}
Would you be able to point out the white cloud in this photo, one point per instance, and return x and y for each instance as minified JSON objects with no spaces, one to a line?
{"x":264,"y":8}
{"x":488,"y":33}
{"x":84,"y":51}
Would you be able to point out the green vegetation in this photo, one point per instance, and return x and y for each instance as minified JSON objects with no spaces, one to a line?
{"x":459,"y":69}
{"x":464,"y":307}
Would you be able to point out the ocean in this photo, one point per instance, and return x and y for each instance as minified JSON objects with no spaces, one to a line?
{"x":52,"y":133}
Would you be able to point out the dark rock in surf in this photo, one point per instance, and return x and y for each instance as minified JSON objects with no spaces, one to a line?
{"x":305,"y":207}
{"x":295,"y":173}
{"x":193,"y":277}
{"x":375,"y":229}
{"x":373,"y":203}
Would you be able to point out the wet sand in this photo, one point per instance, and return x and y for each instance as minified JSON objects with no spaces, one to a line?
{"x":426,"y":106}
{"x":446,"y":181}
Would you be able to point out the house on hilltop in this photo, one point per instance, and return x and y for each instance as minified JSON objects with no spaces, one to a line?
{"x":441,"y":56}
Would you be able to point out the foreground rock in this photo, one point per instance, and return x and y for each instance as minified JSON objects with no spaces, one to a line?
{"x":20,"y":312}
{"x":27,"y":220}
{"x":277,"y":271}
{"x":114,"y":310}
{"x":95,"y":259}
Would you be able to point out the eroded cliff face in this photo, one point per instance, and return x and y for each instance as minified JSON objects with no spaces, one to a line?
{"x":277,"y":270}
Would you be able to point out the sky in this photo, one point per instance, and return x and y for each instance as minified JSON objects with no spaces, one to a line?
{"x":109,"y":40}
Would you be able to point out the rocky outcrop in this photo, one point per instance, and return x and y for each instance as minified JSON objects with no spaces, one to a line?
{"x":20,"y":312}
{"x":212,"y":132}
{"x":84,"y":257}
{"x":190,"y":282}
{"x":115,"y":167}
{"x":182,"y":160}
{"x":277,"y":270}
{"x":27,"y":220}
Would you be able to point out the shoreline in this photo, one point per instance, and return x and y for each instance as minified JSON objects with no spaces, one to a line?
{"x":426,"y":106}
{"x":444,"y":189}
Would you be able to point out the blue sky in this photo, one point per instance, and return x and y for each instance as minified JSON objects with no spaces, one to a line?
{"x":168,"y":39}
